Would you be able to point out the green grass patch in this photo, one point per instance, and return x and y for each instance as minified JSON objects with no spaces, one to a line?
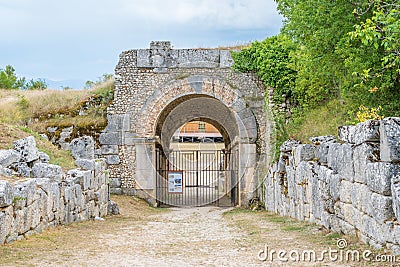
{"x":322,"y":120}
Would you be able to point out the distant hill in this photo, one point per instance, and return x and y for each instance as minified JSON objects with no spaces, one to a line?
{"x":74,"y":84}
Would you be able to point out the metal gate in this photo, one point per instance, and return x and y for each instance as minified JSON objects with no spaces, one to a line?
{"x":197,"y":178}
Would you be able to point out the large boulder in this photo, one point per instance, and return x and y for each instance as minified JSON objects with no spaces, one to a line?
{"x":83,"y":147}
{"x":27,"y":149}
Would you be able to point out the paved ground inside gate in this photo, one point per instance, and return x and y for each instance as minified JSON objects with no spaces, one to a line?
{"x":206,"y":236}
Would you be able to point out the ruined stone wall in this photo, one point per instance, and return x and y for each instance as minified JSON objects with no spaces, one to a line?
{"x":352,"y":186}
{"x":48,"y":196}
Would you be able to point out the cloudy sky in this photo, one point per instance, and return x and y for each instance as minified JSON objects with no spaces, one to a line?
{"x":81,"y":39}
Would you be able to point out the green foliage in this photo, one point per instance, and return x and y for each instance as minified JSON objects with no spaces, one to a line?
{"x":23,"y":103}
{"x":271,"y":59}
{"x":9,"y":80}
{"x":319,"y":27}
{"x":38,"y":84}
{"x":372,"y":55}
{"x":104,"y":78}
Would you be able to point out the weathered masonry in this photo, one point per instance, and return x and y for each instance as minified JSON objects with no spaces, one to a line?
{"x":159,"y":89}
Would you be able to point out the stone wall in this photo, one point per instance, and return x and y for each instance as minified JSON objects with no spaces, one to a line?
{"x":48,"y":196}
{"x":352,"y":186}
{"x":147,"y":81}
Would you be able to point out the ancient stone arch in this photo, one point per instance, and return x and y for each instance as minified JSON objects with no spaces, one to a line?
{"x":159,"y":89}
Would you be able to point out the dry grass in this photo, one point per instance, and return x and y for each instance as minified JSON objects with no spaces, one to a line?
{"x":18,"y":106}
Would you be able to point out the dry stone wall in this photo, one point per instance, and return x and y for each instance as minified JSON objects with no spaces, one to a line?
{"x":352,"y":186}
{"x":48,"y":196}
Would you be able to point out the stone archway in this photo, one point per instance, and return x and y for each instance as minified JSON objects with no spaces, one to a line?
{"x":158,"y":90}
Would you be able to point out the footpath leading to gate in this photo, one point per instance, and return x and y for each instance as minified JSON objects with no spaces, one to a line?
{"x":144,"y":236}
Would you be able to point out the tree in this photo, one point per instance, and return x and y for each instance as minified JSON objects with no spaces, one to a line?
{"x":319,"y":27}
{"x":9,"y":80}
{"x":272,"y":60}
{"x":38,"y":84}
{"x":375,"y":43}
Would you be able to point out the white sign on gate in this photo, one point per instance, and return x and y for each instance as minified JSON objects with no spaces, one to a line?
{"x":175,"y":182}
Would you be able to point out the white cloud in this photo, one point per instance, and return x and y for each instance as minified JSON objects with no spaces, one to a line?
{"x":77,"y":16}
{"x":39,"y":35}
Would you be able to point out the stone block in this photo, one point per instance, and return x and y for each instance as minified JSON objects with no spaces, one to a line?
{"x":112,"y":138}
{"x":116,"y":191}
{"x":225,"y":59}
{"x":363,"y":154}
{"x":347,"y":212}
{"x":78,"y":197}
{"x":83,"y":147}
{"x":86,"y":164}
{"x":304,"y":152}
{"x":395,"y":190}
{"x":143,"y":58}
{"x":51,"y":171}
{"x":24,"y":193}
{"x":346,"y":191}
{"x":192,"y":58}
{"x":332,"y":158}
{"x":113,"y":159}
{"x":23,"y":169}
{"x":288,"y":145}
{"x":43,"y":157}
{"x":56,"y":195}
{"x":112,"y":208}
{"x":390,"y":140}
{"x":33,"y":216}
{"x":109,"y":150}
{"x":367,"y":131}
{"x":7,"y":172}
{"x":334,"y":186}
{"x":345,"y":166}
{"x":321,"y":152}
{"x":118,"y":122}
{"x":115,"y":182}
{"x":3,"y":228}
{"x":374,"y":230}
{"x":380,"y":175}
{"x":27,"y":149}
{"x":357,"y":217}
{"x":83,"y":178}
{"x":6,"y":194}
{"x":380,"y":208}
{"x":8,"y":157}
{"x":361,"y":196}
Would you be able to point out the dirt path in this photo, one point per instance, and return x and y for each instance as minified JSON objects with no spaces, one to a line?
{"x":143,"y":236}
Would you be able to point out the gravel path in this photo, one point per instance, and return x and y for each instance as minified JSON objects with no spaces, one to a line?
{"x":143,"y":236}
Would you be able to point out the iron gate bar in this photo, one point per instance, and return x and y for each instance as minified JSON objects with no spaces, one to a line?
{"x":208,"y":176}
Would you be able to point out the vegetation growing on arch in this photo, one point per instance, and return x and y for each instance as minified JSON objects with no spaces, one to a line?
{"x":331,"y":51}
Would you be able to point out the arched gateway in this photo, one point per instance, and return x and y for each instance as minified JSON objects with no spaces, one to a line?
{"x":158,"y":90}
